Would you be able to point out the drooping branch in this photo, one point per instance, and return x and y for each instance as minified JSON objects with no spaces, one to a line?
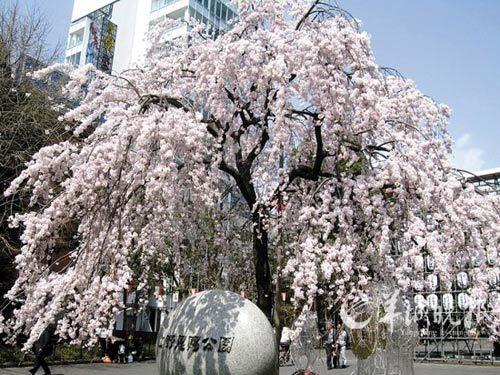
{"x":325,"y":9}
{"x":241,"y":174}
{"x":308,"y":13}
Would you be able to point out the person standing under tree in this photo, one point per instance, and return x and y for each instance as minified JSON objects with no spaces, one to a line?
{"x":341,"y":343}
{"x":43,"y":348}
{"x":122,"y":353}
{"x":329,"y":342}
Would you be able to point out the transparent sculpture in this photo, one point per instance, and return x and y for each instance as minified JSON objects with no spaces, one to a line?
{"x":383,"y":333}
{"x":304,"y":343}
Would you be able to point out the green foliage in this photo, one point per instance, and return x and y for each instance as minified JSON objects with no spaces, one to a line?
{"x":67,"y":353}
{"x":14,"y":355}
{"x":345,"y":166}
{"x":28,"y":121}
{"x":62,"y":353}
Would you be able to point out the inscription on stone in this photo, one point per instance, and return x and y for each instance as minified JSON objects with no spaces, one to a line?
{"x":193,"y":343}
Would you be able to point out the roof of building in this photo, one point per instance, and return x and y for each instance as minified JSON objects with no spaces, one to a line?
{"x":488,"y":174}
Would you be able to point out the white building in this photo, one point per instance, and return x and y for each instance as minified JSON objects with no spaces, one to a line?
{"x":487,"y":180}
{"x":111,"y":34}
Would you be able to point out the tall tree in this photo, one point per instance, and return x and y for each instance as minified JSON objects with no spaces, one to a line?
{"x":28,"y":114}
{"x":288,"y":104}
{"x":24,"y":37}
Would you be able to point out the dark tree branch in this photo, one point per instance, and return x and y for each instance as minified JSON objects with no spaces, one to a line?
{"x":258,"y":148}
{"x":311,"y":173}
{"x":303,"y":19}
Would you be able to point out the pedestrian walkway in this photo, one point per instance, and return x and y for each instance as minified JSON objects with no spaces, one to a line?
{"x":420,"y":368}
{"x":149,"y":368}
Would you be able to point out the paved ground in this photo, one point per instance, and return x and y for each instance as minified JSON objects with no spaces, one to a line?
{"x":420,"y":369}
{"x":149,"y":368}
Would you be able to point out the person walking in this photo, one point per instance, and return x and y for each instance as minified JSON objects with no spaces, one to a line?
{"x":43,"y":348}
{"x":342,"y":343}
{"x":329,"y":343}
{"x":122,"y":353}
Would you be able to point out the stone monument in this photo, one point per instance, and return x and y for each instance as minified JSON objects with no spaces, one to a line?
{"x":216,"y":333}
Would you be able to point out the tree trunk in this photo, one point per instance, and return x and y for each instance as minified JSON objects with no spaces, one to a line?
{"x":262,"y":269}
{"x":135,"y":308}
{"x":278,"y":324}
{"x":277,"y":298}
{"x":321,"y":311}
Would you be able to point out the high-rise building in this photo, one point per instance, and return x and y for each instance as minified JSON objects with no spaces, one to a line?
{"x":112,"y":34}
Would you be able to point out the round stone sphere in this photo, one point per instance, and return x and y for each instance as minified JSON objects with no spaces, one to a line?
{"x":216,"y":332}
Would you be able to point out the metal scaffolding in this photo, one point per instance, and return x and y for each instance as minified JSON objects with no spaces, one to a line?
{"x":447,"y":327}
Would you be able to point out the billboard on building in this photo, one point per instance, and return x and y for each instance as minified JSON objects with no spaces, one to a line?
{"x":102,"y":39}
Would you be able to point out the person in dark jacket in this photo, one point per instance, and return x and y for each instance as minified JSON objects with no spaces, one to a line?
{"x":329,"y":344}
{"x":43,"y":348}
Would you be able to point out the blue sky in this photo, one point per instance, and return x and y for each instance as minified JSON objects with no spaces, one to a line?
{"x":450,"y":48}
{"x":57,"y":11}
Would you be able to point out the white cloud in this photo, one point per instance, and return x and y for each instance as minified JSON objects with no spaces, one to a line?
{"x":466,"y":156}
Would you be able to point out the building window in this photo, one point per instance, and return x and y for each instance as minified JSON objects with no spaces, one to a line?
{"x":224,"y":12}
{"x":197,"y":16}
{"x":217,"y":13}
{"x":155,"y":319}
{"x":158,"y":4}
{"x":74,"y":59}
{"x":75,"y":39}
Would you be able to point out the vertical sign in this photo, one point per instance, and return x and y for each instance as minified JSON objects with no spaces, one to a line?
{"x":102,"y":39}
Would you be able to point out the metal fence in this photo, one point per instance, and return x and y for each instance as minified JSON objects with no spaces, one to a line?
{"x":476,"y":350}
